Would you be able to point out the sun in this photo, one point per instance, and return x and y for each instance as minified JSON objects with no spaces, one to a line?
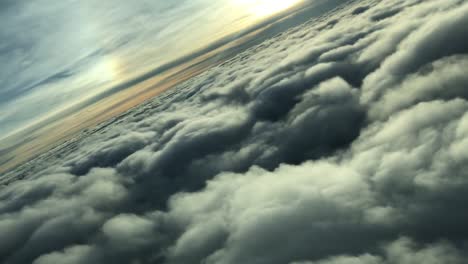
{"x":265,"y":8}
{"x":107,"y":70}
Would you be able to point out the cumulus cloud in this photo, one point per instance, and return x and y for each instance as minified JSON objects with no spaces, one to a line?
{"x":402,"y":251}
{"x":342,"y":140}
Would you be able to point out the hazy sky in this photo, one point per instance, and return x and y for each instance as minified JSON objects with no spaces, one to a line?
{"x":54,"y":53}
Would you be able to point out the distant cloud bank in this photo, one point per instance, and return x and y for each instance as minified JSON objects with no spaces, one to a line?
{"x":343,"y":140}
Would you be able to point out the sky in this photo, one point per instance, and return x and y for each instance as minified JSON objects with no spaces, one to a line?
{"x":338,"y":140}
{"x":55,"y":53}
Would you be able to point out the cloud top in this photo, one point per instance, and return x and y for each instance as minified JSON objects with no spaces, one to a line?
{"x":342,"y":140}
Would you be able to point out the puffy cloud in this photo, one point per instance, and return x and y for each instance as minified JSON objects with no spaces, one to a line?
{"x":389,"y":185}
{"x":342,"y":140}
{"x":59,"y":209}
{"x":402,"y":251}
{"x":436,"y":38}
{"x":269,"y":217}
{"x":73,"y":255}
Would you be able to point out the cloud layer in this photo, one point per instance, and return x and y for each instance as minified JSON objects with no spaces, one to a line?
{"x":339,"y":141}
{"x":107,"y":43}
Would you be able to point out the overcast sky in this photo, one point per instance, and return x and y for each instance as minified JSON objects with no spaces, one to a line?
{"x":53,"y":53}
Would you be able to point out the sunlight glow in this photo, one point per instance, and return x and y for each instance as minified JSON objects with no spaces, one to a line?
{"x":264,"y":8}
{"x":107,"y":70}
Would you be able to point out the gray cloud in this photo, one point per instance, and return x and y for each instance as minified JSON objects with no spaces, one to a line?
{"x":402,"y":251}
{"x":342,"y":140}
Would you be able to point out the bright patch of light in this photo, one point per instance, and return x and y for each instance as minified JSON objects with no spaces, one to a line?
{"x":106,"y":70}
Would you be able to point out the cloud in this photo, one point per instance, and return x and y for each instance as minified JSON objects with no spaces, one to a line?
{"x":389,"y":187}
{"x":438,"y":38}
{"x":402,"y":251}
{"x":117,"y":41}
{"x":339,"y":141}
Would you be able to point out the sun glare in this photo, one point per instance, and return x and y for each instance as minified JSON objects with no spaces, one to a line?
{"x":107,"y":70}
{"x":264,"y":8}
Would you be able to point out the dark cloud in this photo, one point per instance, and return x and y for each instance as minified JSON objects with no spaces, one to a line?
{"x":360,"y":10}
{"x":385,"y":14}
{"x":342,"y":140}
